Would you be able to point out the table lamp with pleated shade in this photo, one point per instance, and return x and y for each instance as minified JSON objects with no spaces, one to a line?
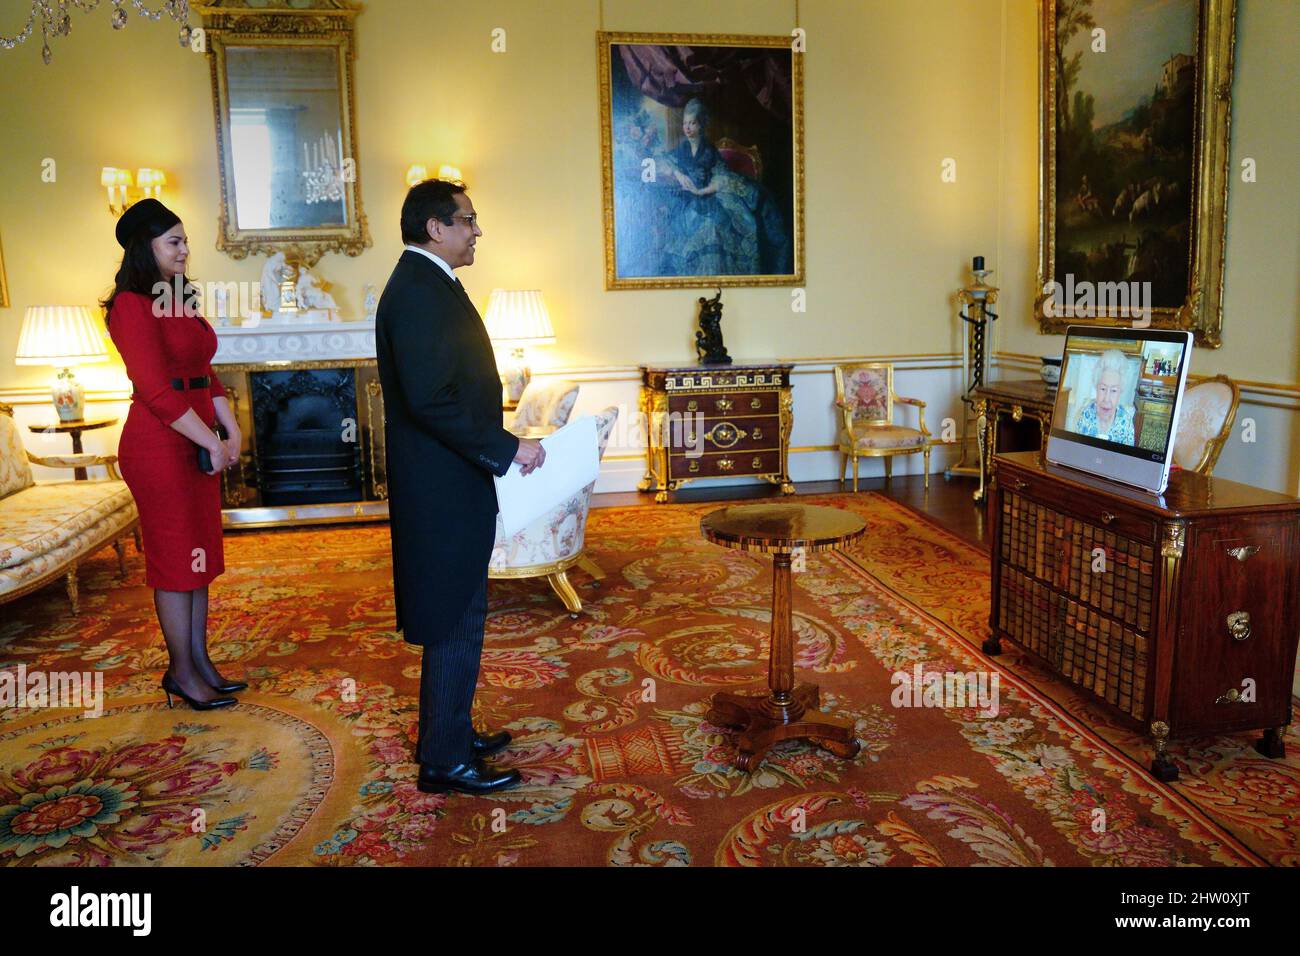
{"x":517,"y":319}
{"x":62,"y":336}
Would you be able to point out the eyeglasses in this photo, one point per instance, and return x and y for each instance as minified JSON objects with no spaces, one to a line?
{"x":470,"y":220}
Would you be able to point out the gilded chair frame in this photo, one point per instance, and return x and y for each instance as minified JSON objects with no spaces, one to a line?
{"x":557,"y":576}
{"x":67,"y":569}
{"x":1214,"y":446}
{"x":851,"y":451}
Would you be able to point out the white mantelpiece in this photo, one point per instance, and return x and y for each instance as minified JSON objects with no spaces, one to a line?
{"x":275,"y":342}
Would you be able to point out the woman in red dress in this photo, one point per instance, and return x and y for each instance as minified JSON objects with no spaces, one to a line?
{"x":175,"y":401}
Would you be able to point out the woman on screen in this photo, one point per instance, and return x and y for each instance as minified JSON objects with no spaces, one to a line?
{"x":1105,"y":416}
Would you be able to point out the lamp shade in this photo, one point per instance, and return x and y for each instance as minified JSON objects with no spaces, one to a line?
{"x":60,"y":335}
{"x":518,"y":317}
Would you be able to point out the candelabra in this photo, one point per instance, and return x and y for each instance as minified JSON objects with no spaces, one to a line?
{"x":322,"y":174}
{"x":975,"y":310}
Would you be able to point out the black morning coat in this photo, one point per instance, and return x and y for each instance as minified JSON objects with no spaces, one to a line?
{"x":443,"y":424}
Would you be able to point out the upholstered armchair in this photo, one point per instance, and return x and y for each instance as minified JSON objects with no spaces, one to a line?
{"x":47,"y":527}
{"x":1205,"y":422}
{"x":865,"y":400}
{"x":554,"y":542}
{"x":545,"y":405}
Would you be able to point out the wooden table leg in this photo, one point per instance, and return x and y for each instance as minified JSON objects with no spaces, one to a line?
{"x":788,"y":711}
{"x":78,"y":474}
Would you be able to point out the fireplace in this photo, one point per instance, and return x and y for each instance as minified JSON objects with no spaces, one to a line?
{"x":313,"y":442}
{"x":305,"y":430}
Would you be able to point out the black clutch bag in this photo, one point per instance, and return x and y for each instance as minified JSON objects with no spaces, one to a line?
{"x":205,"y":457}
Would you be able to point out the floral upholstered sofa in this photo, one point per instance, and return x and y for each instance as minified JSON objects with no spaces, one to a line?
{"x":554,"y":542}
{"x":47,"y":527}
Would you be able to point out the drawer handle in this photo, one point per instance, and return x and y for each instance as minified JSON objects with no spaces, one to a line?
{"x":758,"y":434}
{"x":755,"y":402}
{"x":1230,"y":697}
{"x":1239,"y":625}
{"x":1107,"y":517}
{"x":726,"y":464}
{"x":694,"y":465}
{"x":725,"y":434}
{"x":724,"y":404}
{"x":692,"y":406}
{"x":756,"y":463}
{"x":1019,"y":484}
{"x":1244,"y":552}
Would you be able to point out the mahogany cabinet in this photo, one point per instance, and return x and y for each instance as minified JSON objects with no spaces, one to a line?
{"x":1180,"y":612}
{"x":716,"y":421}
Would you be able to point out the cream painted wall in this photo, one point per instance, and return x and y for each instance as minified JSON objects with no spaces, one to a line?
{"x":892,"y":88}
{"x":890,"y":91}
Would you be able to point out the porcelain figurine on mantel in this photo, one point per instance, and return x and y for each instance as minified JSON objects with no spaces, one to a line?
{"x":314,"y":303}
{"x":279,"y":289}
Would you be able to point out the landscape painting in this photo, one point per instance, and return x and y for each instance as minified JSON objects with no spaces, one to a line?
{"x":1126,"y":179}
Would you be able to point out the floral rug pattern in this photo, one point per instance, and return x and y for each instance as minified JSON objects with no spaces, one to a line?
{"x":607,"y":710}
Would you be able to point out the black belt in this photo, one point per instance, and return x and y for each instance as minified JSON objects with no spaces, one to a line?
{"x":201,"y":382}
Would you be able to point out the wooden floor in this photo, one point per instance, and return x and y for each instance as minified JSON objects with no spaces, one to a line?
{"x":948,"y":502}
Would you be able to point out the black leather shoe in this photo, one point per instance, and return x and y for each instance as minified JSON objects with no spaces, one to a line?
{"x":487,"y":744}
{"x":473,"y":778}
{"x":230,"y":686}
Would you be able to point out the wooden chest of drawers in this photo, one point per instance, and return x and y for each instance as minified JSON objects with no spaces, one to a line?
{"x":716,"y":421}
{"x":1180,"y":612}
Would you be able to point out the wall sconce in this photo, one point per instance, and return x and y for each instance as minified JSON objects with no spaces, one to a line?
{"x":418,"y":173}
{"x":151,"y":181}
{"x":118,"y":182}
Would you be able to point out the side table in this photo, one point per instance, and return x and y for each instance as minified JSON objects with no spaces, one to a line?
{"x":75,"y":428}
{"x":789,"y":710}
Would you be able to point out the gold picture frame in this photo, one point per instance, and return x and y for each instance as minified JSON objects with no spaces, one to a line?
{"x":4,"y":283}
{"x":1201,"y":310}
{"x":307,"y":24}
{"x":793,"y":186}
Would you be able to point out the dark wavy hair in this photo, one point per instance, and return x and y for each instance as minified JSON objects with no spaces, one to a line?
{"x":139,"y":270}
{"x":431,"y":199}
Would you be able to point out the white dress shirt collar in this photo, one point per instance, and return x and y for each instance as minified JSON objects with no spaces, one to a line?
{"x":437,"y":261}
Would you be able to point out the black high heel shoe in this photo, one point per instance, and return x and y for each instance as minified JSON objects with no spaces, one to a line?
{"x":230,"y":686}
{"x":170,"y":687}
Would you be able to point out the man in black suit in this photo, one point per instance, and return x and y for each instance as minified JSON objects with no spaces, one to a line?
{"x":442,"y":410}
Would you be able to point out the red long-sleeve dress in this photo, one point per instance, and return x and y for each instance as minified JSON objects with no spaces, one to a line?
{"x":180,"y":506}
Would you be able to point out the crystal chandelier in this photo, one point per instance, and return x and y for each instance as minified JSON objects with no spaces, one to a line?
{"x":57,"y":22}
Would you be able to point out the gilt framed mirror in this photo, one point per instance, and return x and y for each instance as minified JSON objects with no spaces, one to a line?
{"x":282,"y":92}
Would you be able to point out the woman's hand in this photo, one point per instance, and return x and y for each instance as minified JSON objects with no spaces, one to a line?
{"x":684,"y":181}
{"x":233,"y":444}
{"x":220,"y":456}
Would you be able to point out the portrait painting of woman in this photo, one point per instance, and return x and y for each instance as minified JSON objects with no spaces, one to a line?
{"x":702,"y":161}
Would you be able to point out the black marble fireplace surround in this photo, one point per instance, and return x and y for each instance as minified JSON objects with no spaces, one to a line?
{"x":306,"y":435}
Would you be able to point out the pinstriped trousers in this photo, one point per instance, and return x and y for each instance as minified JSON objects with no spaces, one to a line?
{"x":448,"y":674}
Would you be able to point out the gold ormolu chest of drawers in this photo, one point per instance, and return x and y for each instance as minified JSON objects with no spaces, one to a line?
{"x":716,"y":421}
{"x":1179,"y":612}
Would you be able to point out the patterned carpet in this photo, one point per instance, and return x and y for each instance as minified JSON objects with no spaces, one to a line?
{"x":620,"y":767}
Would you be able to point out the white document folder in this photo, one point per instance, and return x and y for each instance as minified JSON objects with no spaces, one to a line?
{"x":572,"y":462}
